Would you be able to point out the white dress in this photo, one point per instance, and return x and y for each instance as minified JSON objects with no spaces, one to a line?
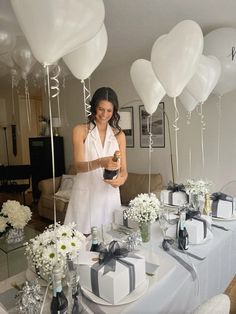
{"x":92,"y":200}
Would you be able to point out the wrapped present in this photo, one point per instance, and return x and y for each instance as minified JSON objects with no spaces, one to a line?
{"x":223,"y":205}
{"x":198,"y":229}
{"x":173,"y":198}
{"x":120,"y":220}
{"x":113,"y":277}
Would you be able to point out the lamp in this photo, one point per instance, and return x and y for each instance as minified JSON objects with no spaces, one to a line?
{"x":125,"y":120}
{"x":56,"y":123}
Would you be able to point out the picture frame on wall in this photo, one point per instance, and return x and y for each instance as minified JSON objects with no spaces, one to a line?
{"x":157,"y":127}
{"x":129,"y":133}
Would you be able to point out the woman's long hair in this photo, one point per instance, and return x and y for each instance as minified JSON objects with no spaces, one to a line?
{"x":105,"y":93}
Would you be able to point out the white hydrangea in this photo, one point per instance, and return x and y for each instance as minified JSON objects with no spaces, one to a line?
{"x":143,"y":208}
{"x":16,"y":215}
{"x":3,"y":224}
{"x":54,"y":244}
{"x":199,"y":187}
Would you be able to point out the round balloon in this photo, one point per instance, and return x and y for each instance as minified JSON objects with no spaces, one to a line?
{"x":205,"y":78}
{"x":7,"y":39}
{"x":7,"y":60}
{"x":55,"y":28}
{"x":85,"y":59}
{"x":23,"y":56}
{"x":188,"y":101}
{"x":175,"y":56}
{"x":146,"y":84}
{"x":221,"y":43}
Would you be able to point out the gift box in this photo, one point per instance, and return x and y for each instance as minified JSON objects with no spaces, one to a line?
{"x":222,"y":209}
{"x":198,"y":229}
{"x":120,"y":220}
{"x":173,"y":198}
{"x":111,"y":286}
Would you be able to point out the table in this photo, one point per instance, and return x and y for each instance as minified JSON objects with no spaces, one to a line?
{"x":172,"y":290}
{"x":12,"y":258}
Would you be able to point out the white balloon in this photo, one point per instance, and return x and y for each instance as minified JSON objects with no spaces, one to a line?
{"x":86,"y":58}
{"x":205,"y":78}
{"x":55,"y":28}
{"x":7,"y":60}
{"x":7,"y":39}
{"x":38,"y":71}
{"x":146,"y":84}
{"x":221,"y":43}
{"x":175,"y":56}
{"x":188,"y":101}
{"x":23,"y":57}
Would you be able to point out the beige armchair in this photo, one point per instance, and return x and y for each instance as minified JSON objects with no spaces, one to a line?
{"x":135,"y":184}
{"x":45,"y":204}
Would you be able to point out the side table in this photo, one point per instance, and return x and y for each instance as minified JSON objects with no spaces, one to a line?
{"x":12,"y":258}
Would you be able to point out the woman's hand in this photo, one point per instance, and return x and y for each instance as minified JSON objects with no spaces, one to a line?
{"x":108,"y":163}
{"x":118,"y":181}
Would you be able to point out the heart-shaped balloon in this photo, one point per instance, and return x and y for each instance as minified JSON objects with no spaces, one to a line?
{"x":221,"y":43}
{"x":175,"y":56}
{"x":188,"y":101}
{"x":146,"y":84}
{"x":205,"y":78}
{"x":85,"y":59}
{"x":55,"y":28}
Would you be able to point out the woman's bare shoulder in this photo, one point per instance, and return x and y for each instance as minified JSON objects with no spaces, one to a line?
{"x":81,"y":129}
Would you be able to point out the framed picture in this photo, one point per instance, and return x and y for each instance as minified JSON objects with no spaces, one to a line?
{"x":129,"y":133}
{"x":157,"y":127}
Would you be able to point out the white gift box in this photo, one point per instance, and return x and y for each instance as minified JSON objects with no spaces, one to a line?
{"x":119,"y":218}
{"x":112,"y":286}
{"x":222,"y":209}
{"x":173,"y":198}
{"x":198,"y":230}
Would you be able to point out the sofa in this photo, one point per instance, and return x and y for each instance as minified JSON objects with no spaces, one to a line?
{"x":135,"y":184}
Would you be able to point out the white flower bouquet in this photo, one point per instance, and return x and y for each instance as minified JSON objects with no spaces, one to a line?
{"x":14,"y":215}
{"x":198,"y":187}
{"x":54,"y":245}
{"x":143,"y":208}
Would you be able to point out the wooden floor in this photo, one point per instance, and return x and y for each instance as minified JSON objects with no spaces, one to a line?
{"x":40,"y":224}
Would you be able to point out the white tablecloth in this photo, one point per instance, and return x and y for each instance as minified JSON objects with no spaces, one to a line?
{"x":172,"y":289}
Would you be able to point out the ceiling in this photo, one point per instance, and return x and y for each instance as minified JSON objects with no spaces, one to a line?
{"x":134,"y":25}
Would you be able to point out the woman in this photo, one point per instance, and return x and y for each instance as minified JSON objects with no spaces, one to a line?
{"x":94,"y":199}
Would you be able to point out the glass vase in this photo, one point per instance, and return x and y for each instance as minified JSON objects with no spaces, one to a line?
{"x":194,"y":201}
{"x":15,"y":235}
{"x":145,"y":231}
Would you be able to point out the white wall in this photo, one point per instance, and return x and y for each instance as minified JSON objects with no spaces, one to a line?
{"x":217,"y":172}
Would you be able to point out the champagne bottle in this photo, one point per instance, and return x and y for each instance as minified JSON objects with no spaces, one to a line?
{"x":59,"y":304}
{"x":207,"y":205}
{"x":183,"y":238}
{"x":111,"y":174}
{"x":95,"y":244}
{"x":76,"y":306}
